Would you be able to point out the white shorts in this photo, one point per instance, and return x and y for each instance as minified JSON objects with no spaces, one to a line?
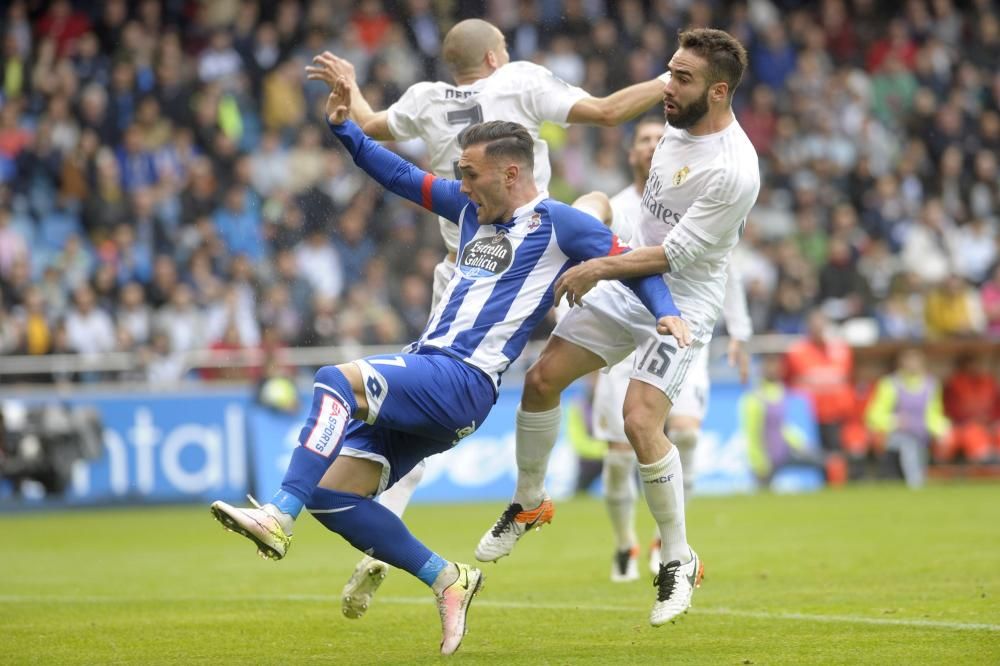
{"x":613,"y":323}
{"x":443,"y":273}
{"x":611,"y":386}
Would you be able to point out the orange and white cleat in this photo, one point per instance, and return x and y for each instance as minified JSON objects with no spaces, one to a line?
{"x":513,"y":523}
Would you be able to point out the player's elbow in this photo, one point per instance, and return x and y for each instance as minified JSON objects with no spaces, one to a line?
{"x":607,"y":115}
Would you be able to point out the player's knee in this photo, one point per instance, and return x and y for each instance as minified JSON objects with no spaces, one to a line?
{"x":333,"y":379}
{"x":539,"y":386}
{"x":641,"y":427}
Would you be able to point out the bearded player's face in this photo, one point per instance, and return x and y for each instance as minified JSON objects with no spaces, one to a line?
{"x":685,"y":95}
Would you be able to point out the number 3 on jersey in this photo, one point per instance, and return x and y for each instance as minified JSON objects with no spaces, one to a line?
{"x":469,"y":116}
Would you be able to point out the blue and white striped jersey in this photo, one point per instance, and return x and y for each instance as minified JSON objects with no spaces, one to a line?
{"x":503,"y":285}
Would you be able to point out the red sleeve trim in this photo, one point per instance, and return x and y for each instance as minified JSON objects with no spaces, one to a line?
{"x":425,"y":191}
{"x":617,"y":247}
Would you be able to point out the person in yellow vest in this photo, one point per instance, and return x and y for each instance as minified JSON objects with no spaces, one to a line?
{"x":906,"y":413}
{"x":773,"y":442}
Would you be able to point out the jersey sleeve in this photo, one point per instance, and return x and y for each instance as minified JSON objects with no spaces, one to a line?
{"x":734,"y":306}
{"x":712,"y":217}
{"x":402,"y":117}
{"x":550,"y":98}
{"x":581,"y":237}
{"x":400,"y":177}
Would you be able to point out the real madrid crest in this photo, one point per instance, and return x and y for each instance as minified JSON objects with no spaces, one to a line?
{"x":681,"y":176}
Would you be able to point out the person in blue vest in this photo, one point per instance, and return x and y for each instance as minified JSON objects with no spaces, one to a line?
{"x":906,"y":413}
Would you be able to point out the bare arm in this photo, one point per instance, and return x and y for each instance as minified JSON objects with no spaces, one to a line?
{"x":580,"y":279}
{"x":618,"y":107}
{"x":597,"y":204}
{"x":328,"y":68}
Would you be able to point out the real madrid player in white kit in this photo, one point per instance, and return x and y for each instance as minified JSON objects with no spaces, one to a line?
{"x":688,"y":411}
{"x":703,"y":182}
{"x":487,"y":87}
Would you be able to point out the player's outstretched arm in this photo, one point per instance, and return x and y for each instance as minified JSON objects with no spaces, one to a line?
{"x":618,"y":107}
{"x":328,"y":67}
{"x":387,"y":168}
{"x":582,"y":237}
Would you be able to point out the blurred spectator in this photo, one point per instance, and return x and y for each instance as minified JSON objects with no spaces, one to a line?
{"x":133,"y":315}
{"x":89,"y":329}
{"x":319,"y":262}
{"x":820,"y":367}
{"x":972,"y":402}
{"x":906,"y":413}
{"x":773,"y":442}
{"x":953,"y":310}
{"x":991,"y":303}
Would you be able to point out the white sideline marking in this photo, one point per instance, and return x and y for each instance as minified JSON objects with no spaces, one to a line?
{"x":517,"y":605}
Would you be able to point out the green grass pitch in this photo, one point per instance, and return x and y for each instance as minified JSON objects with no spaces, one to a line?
{"x":877,"y":575}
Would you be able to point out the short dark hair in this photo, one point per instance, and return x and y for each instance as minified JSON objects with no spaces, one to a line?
{"x":502,"y":139}
{"x":727,"y":59}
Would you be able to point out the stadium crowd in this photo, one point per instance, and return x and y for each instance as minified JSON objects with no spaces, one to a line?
{"x":167,"y":182}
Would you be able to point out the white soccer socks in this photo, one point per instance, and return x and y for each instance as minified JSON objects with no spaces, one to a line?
{"x":686,"y":441}
{"x":663,"y":486}
{"x":536,"y":435}
{"x":620,"y":493}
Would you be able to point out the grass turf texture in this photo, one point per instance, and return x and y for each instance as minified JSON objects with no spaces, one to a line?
{"x":874,"y":575}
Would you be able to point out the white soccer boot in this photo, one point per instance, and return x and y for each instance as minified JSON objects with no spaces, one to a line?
{"x":357,"y":593}
{"x":513,"y":523}
{"x":625,"y":565}
{"x":675,"y":584}
{"x":265,"y":525}
{"x":453,"y":605}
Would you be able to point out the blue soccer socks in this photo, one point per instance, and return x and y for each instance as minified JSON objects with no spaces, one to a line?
{"x":375,"y":530}
{"x":333,"y":408}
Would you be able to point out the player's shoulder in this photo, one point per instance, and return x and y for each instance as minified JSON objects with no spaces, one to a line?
{"x":424,"y":93}
{"x":521,"y":73}
{"x":735,"y":169}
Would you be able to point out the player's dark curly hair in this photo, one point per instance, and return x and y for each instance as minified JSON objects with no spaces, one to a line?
{"x":503,"y":139}
{"x":727,"y":59}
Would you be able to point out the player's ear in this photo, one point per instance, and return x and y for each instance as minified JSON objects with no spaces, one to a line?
{"x":719,"y":92}
{"x":511,"y":173}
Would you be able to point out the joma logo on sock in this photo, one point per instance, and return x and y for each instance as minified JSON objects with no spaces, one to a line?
{"x":661,"y":479}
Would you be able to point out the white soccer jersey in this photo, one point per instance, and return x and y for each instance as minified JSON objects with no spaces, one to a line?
{"x":626,"y":209}
{"x":697,"y":198}
{"x":520,"y":92}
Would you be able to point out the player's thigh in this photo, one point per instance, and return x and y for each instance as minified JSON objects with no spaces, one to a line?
{"x":429,"y":395}
{"x":602,"y":325}
{"x":560,"y":363}
{"x":662,"y":363}
{"x":609,"y":400}
{"x":691,"y":405}
{"x":349,"y":474}
{"x":380,"y":456}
